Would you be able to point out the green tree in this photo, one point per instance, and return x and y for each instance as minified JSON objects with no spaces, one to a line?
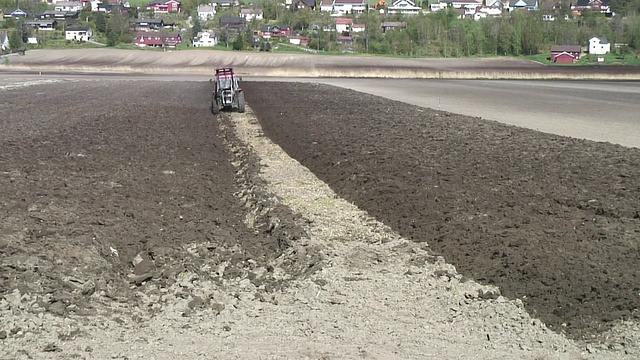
{"x":531,"y":33}
{"x":15,"y":40}
{"x":100,"y":20}
{"x":239,"y":42}
{"x":196,"y":28}
{"x":118,"y":29}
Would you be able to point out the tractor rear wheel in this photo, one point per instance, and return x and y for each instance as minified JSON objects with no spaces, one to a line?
{"x":241,"y":102}
{"x":215,"y":109}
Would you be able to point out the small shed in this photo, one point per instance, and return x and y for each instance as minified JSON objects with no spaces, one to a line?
{"x":564,"y":58}
{"x":565,"y":53}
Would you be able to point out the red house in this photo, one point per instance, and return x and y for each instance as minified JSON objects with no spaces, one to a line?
{"x":148,"y":39}
{"x":269,"y":31}
{"x":165,"y":6}
{"x":566,"y":54}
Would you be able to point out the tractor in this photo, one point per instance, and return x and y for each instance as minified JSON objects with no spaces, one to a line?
{"x":227,"y":94}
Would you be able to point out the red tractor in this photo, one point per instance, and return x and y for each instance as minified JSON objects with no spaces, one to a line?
{"x":227,"y":94}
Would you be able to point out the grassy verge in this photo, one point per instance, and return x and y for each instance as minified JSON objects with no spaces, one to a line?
{"x":587,"y":59}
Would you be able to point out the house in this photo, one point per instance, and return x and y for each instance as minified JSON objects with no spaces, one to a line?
{"x":232,"y":22}
{"x":406,"y":7}
{"x":345,"y":40}
{"x":225,"y":3}
{"x":326,"y":6}
{"x":165,"y":6}
{"x":463,"y":4}
{"x":269,"y":31}
{"x":68,"y":6}
{"x":58,"y":15}
{"x":14,"y":13}
{"x":437,"y":6}
{"x":169,"y":40}
{"x":565,"y":53}
{"x":78,"y":33}
{"x":523,"y":5}
{"x":598,"y":46}
{"x":148,"y":40}
{"x":486,"y":11}
{"x":147,"y":24}
{"x":343,"y":7}
{"x":205,"y":38}
{"x":343,"y":24}
{"x":297,"y":5}
{"x":45,"y":25}
{"x":94,"y":4}
{"x":206,"y":12}
{"x":299,"y":40}
{"x":603,"y":6}
{"x":251,"y":14}
{"x":4,"y":40}
{"x":106,"y":8}
{"x":392,"y":25}
{"x":357,"y":28}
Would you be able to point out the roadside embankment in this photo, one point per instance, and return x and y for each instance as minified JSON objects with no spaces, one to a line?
{"x":302,"y":65}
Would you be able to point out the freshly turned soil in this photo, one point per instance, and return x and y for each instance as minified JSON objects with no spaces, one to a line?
{"x":551,"y":220}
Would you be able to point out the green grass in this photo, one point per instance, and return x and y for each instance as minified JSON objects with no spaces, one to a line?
{"x":64,"y":44}
{"x":141,"y":3}
{"x":586,"y":59}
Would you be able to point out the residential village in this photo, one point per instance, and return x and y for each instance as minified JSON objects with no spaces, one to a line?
{"x":337,"y":25}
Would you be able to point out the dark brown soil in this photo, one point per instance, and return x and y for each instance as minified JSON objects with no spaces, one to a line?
{"x":551,"y":220}
{"x":93,"y":174}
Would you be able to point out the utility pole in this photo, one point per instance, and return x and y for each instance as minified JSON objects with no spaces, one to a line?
{"x":366,"y":31}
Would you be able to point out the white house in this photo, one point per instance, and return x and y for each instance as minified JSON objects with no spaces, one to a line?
{"x":357,"y":28}
{"x":343,"y":7}
{"x":225,"y":3}
{"x":406,"y":7}
{"x":68,"y":6}
{"x":205,"y":38}
{"x":343,"y":24}
{"x":94,"y":4}
{"x":326,"y":6}
{"x":487,"y":11}
{"x":251,"y":14}
{"x":599,"y":46}
{"x":206,"y":12}
{"x":78,"y":33}
{"x":464,"y":4}
{"x":437,"y":6}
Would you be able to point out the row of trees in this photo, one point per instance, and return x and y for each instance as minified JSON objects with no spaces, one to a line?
{"x":432,"y":34}
{"x":443,"y":34}
{"x":518,"y":33}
